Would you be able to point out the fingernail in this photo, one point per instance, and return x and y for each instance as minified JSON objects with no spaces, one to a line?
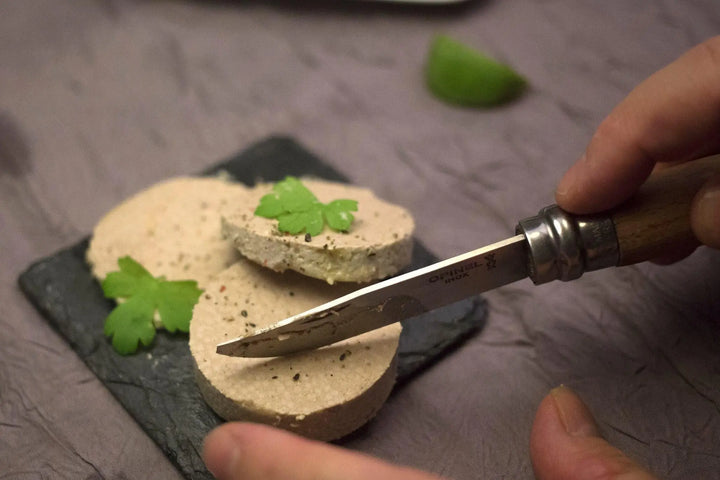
{"x":221,"y":454}
{"x":706,"y":214}
{"x":573,"y":413}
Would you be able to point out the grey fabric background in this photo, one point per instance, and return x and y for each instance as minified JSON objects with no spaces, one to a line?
{"x":101,"y":98}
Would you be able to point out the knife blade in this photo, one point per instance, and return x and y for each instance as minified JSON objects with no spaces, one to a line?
{"x":389,"y":301}
{"x":553,"y":245}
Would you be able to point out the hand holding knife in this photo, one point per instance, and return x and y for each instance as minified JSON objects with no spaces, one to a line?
{"x":552,"y":245}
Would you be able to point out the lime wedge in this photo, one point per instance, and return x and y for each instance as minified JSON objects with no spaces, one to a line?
{"x":462,"y":75}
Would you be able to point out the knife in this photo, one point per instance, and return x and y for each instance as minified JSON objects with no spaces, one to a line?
{"x":553,"y":245}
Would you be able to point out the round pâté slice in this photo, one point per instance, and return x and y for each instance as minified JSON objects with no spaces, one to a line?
{"x":377,"y":244}
{"x":171,"y":228}
{"x":324,"y":393}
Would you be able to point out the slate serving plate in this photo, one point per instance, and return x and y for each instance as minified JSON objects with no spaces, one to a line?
{"x":156,"y":385}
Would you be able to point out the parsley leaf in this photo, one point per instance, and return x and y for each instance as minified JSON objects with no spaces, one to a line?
{"x":337,"y":213}
{"x":297,"y":209}
{"x":132,"y":320}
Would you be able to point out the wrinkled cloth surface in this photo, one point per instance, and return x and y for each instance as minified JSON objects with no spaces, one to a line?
{"x":101,"y":98}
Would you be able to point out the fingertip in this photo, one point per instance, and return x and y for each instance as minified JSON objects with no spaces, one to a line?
{"x":569,"y":193}
{"x":588,"y":190}
{"x":564,"y":190}
{"x":224,"y":446}
{"x":560,"y":416}
{"x":220,"y":452}
{"x":705,"y":213}
{"x":573,"y":413}
{"x":598,"y":182}
{"x":250,"y":451}
{"x":565,"y":443}
{"x":549,"y":439}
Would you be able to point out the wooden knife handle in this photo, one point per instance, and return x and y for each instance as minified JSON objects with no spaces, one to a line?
{"x":657,"y":218}
{"x":561,"y":246}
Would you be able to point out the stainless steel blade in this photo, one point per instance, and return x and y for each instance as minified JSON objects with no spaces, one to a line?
{"x":390,"y":301}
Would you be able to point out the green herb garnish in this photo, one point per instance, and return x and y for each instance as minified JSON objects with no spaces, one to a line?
{"x":297,"y":209}
{"x":132,"y":320}
{"x":460,"y":74}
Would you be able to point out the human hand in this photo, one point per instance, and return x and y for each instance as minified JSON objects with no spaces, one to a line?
{"x":564,"y":445}
{"x":673,"y":116}
{"x":247,"y":451}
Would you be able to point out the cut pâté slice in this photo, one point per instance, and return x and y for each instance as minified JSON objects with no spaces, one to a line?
{"x":459,"y":74}
{"x":377,"y":244}
{"x":324,"y":393}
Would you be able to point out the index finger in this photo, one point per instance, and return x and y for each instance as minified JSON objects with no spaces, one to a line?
{"x":673,"y":116}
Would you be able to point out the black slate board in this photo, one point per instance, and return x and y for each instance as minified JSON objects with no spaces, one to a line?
{"x":156,"y":386}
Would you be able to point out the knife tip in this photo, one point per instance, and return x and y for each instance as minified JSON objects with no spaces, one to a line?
{"x":231,"y":348}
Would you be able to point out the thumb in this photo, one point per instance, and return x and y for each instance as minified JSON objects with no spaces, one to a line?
{"x":565,"y":444}
{"x":705,"y":214}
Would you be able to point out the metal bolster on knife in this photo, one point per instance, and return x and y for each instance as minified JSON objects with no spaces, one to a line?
{"x":562,"y":246}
